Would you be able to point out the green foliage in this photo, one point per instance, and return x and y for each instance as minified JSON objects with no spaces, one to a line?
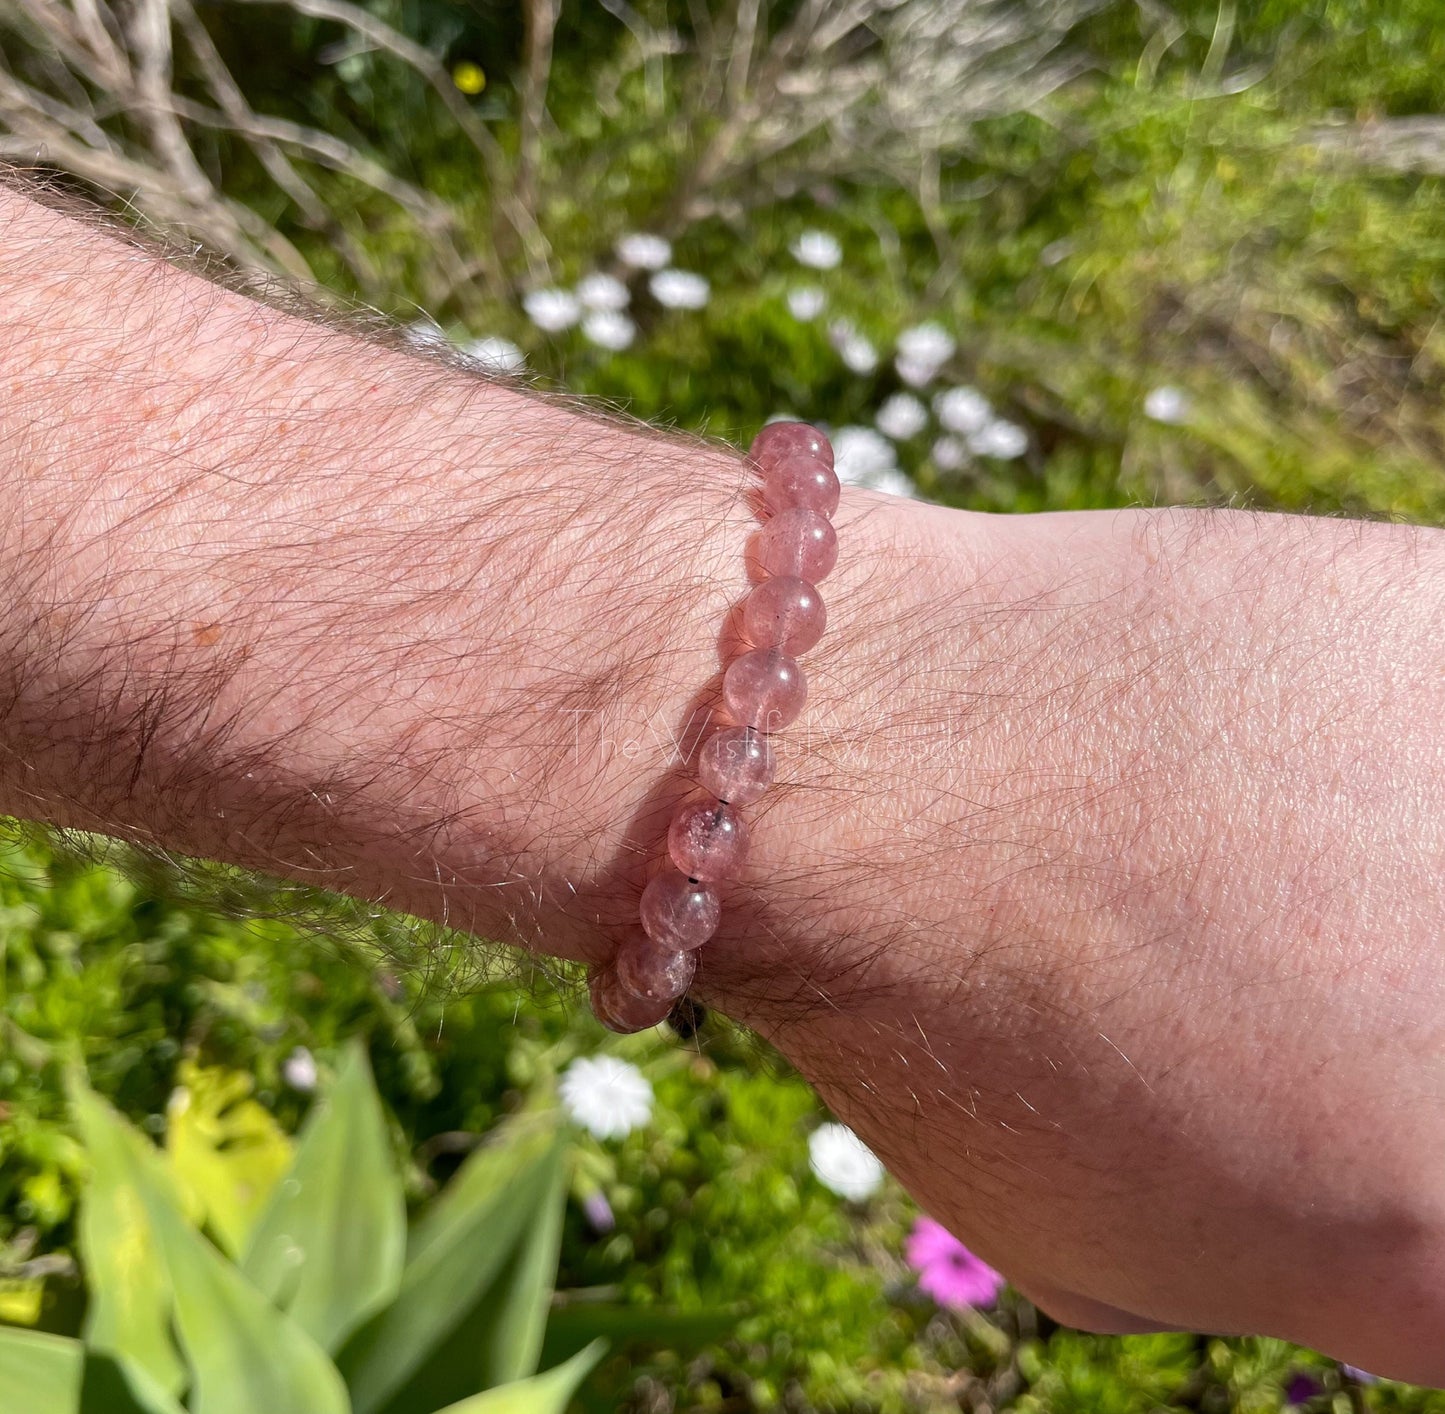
{"x":243,"y":1345}
{"x":162,"y":973}
{"x":117,"y":969}
{"x":44,"y":1371}
{"x":343,"y":1197}
{"x":710,"y":1207}
{"x":469,"y":1310}
{"x":1170,"y":217}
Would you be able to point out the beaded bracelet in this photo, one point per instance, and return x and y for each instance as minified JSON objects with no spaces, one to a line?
{"x":763,"y":690}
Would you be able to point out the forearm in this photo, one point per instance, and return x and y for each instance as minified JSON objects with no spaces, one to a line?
{"x":1087,"y":815}
{"x":288,"y":598}
{"x":1158,"y":1026}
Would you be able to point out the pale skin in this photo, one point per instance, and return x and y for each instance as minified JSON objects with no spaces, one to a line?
{"x":1102,"y":892}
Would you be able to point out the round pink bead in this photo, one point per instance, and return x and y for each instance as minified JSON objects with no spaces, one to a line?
{"x":654,"y":974}
{"x":765,"y":689}
{"x":708,"y":840}
{"x":620,"y":1010}
{"x":737,"y":765}
{"x":798,"y":543}
{"x":785,"y":613}
{"x":781,"y":439}
{"x":801,"y":481}
{"x":678,"y":913}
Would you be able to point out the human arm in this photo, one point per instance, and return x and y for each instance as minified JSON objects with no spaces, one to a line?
{"x":1101,"y":889}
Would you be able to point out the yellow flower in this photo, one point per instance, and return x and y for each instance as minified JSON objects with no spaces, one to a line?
{"x":469,"y":77}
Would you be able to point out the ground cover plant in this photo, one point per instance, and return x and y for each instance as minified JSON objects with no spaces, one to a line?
{"x":1016,"y":257}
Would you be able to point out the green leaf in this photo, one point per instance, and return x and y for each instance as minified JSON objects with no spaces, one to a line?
{"x":500,"y":1338}
{"x":549,"y":1393}
{"x":436,"y":1341}
{"x":331,"y":1243}
{"x":226,"y":1150}
{"x":577,"y":1323}
{"x":130,"y":1292}
{"x":511,"y":1319}
{"x":113,"y":1385}
{"x":40,"y":1373}
{"x":492,"y":1167}
{"x":244,"y":1355}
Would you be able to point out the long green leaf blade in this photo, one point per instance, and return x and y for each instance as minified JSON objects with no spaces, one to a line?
{"x":492,"y":1167}
{"x":330,"y":1245}
{"x":578,"y":1323}
{"x":245,"y":1356}
{"x":511,"y":1320}
{"x":113,"y":1385}
{"x":548,"y":1393}
{"x":395,"y":1362}
{"x":499,"y":1338}
{"x":130,"y":1293}
{"x":40,"y":1373}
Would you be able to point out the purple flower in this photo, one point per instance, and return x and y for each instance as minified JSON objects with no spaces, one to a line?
{"x":1301,"y":1387}
{"x":947,"y":1270}
{"x":599,"y":1212}
{"x":1363,"y":1377}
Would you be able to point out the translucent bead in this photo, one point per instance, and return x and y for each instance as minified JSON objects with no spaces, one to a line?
{"x":798,"y":543}
{"x":801,"y":481}
{"x":784,"y":612}
{"x":654,"y":974}
{"x":765,"y":689}
{"x":617,"y":1008}
{"x":736,"y":764}
{"x":781,"y":439}
{"x":678,"y":913}
{"x":708,"y":840}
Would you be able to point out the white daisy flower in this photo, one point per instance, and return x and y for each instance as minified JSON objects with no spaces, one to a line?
{"x":923,"y":349}
{"x":928,"y":341}
{"x":999,"y":438}
{"x":495,"y":354}
{"x":425,"y":333}
{"x":552,"y":310}
{"x":817,"y":250}
{"x":298,"y":1070}
{"x":608,"y":1097}
{"x":963,"y":410}
{"x":806,"y":302}
{"x":679,"y":289}
{"x":915,"y":372}
{"x":1167,"y":404}
{"x":893,"y":483}
{"x":949,"y":454}
{"x":643,"y":252}
{"x":609,"y":329}
{"x":855,"y":349}
{"x":902,"y":416}
{"x":841,"y":1161}
{"x":602,"y":291}
{"x":860,"y":454}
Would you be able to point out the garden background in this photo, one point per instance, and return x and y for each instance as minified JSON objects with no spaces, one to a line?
{"x":1016,"y":256}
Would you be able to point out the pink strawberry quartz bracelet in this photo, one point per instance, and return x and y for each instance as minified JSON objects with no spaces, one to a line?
{"x":763,"y":690}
